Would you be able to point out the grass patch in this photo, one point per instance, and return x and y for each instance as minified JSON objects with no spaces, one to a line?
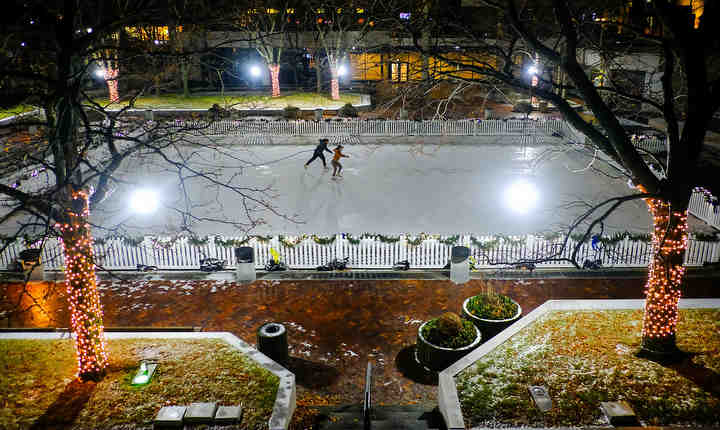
{"x":585,"y":358}
{"x":16,"y":110}
{"x":35,"y":373}
{"x":249,"y":101}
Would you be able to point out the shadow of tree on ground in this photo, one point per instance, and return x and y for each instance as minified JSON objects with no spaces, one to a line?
{"x":67,"y":406}
{"x":410,"y":368}
{"x":312,"y":375}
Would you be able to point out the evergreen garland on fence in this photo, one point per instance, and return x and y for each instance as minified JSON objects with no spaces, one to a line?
{"x":196,"y":241}
{"x":289,"y":242}
{"x":132,"y":241}
{"x":230,"y":243}
{"x":352,"y":240}
{"x":493,"y":242}
{"x":415,"y":242}
{"x":450,"y":241}
{"x":325,"y":240}
{"x":706,"y":237}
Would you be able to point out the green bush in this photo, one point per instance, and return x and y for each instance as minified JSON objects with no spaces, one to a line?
{"x":523,"y":107}
{"x":492,"y":306}
{"x":291,"y":112}
{"x":348,"y":111}
{"x":433,"y":333}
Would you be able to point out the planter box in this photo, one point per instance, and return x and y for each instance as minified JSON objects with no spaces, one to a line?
{"x":438,"y":358}
{"x":490,"y":328}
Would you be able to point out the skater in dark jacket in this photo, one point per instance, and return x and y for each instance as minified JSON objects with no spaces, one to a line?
{"x":322,"y":146}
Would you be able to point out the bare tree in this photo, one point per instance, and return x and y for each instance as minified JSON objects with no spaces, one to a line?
{"x":81,"y":149}
{"x":338,"y":27}
{"x":266,"y":25}
{"x":557,"y":50}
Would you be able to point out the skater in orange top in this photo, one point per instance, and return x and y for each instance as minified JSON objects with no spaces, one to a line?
{"x":337,"y":167}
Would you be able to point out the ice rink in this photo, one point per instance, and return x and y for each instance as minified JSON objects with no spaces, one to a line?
{"x":442,"y":185}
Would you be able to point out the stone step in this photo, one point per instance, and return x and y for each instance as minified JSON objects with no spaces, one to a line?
{"x":375,"y":425}
{"x":400,"y":417}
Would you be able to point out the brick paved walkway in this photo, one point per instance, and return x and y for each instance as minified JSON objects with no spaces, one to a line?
{"x":334,"y":326}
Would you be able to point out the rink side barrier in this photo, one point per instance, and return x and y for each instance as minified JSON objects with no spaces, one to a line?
{"x":432,"y":252}
{"x":252,"y":130}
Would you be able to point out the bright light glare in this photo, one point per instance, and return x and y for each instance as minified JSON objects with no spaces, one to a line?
{"x":100,"y":73}
{"x":533,"y":70}
{"x":255,"y":71}
{"x":342,"y":70}
{"x":521,"y":196}
{"x":144,"y":201}
{"x":141,"y":379}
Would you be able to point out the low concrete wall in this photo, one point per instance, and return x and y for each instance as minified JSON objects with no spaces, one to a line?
{"x":448,"y":400}
{"x":286,"y":396}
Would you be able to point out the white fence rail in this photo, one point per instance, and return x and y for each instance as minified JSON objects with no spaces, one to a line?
{"x":370,"y":253}
{"x":468,"y":127}
{"x":704,"y":210}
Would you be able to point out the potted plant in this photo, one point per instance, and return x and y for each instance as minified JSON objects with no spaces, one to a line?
{"x":491,"y":312}
{"x":444,"y":340}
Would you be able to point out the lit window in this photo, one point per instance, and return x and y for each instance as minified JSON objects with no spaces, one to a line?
{"x":359,"y":10}
{"x":290,"y":11}
{"x":338,"y":10}
{"x":405,"y":15}
{"x":272,"y":11}
{"x":321,"y":10}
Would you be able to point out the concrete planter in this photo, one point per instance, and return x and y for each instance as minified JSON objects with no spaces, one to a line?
{"x":438,"y":358}
{"x":489,"y":327}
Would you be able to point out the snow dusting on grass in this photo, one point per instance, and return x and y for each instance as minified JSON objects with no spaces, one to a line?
{"x":36,"y":372}
{"x":585,"y":358}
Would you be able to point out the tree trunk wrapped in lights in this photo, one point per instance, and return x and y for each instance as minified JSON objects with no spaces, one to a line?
{"x":86,"y":315}
{"x":275,"y":79}
{"x":662,"y":290}
{"x":110,"y":74}
{"x":334,"y":85}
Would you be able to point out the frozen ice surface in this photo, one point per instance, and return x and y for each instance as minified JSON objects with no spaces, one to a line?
{"x":440,"y":185}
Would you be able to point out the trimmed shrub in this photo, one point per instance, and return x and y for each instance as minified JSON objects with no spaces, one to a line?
{"x":348,"y":111}
{"x":291,"y":112}
{"x":523,"y":107}
{"x":492,"y":306}
{"x":435,"y":332}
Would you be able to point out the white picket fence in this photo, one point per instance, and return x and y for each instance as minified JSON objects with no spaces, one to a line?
{"x":466,"y":127}
{"x":369,"y":253}
{"x":705,"y":211}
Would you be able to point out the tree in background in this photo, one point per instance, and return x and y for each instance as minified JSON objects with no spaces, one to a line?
{"x":106,"y":57}
{"x":548,"y":47}
{"x":338,"y":28}
{"x":265,"y":26}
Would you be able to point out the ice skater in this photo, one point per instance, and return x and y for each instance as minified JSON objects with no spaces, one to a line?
{"x":319,"y":150}
{"x":337,"y":167}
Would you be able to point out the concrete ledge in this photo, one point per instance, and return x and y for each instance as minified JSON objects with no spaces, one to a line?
{"x":448,"y":400}
{"x":285,"y":399}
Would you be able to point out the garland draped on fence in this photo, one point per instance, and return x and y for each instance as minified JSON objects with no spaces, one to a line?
{"x":484,"y":244}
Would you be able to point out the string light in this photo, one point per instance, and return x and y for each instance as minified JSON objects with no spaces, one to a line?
{"x":86,"y":315}
{"x":275,"y":78}
{"x":665,"y":275}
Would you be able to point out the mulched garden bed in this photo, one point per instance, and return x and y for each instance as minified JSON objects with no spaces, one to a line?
{"x":38,"y":384}
{"x":585,"y":358}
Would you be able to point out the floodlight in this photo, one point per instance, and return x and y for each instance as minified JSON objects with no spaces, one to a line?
{"x":144,"y":201}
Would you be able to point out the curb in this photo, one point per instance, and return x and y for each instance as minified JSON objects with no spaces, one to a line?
{"x":448,"y":399}
{"x":285,"y":400}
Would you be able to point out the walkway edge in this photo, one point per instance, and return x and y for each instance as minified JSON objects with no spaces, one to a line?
{"x":448,"y":399}
{"x":285,"y":400}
